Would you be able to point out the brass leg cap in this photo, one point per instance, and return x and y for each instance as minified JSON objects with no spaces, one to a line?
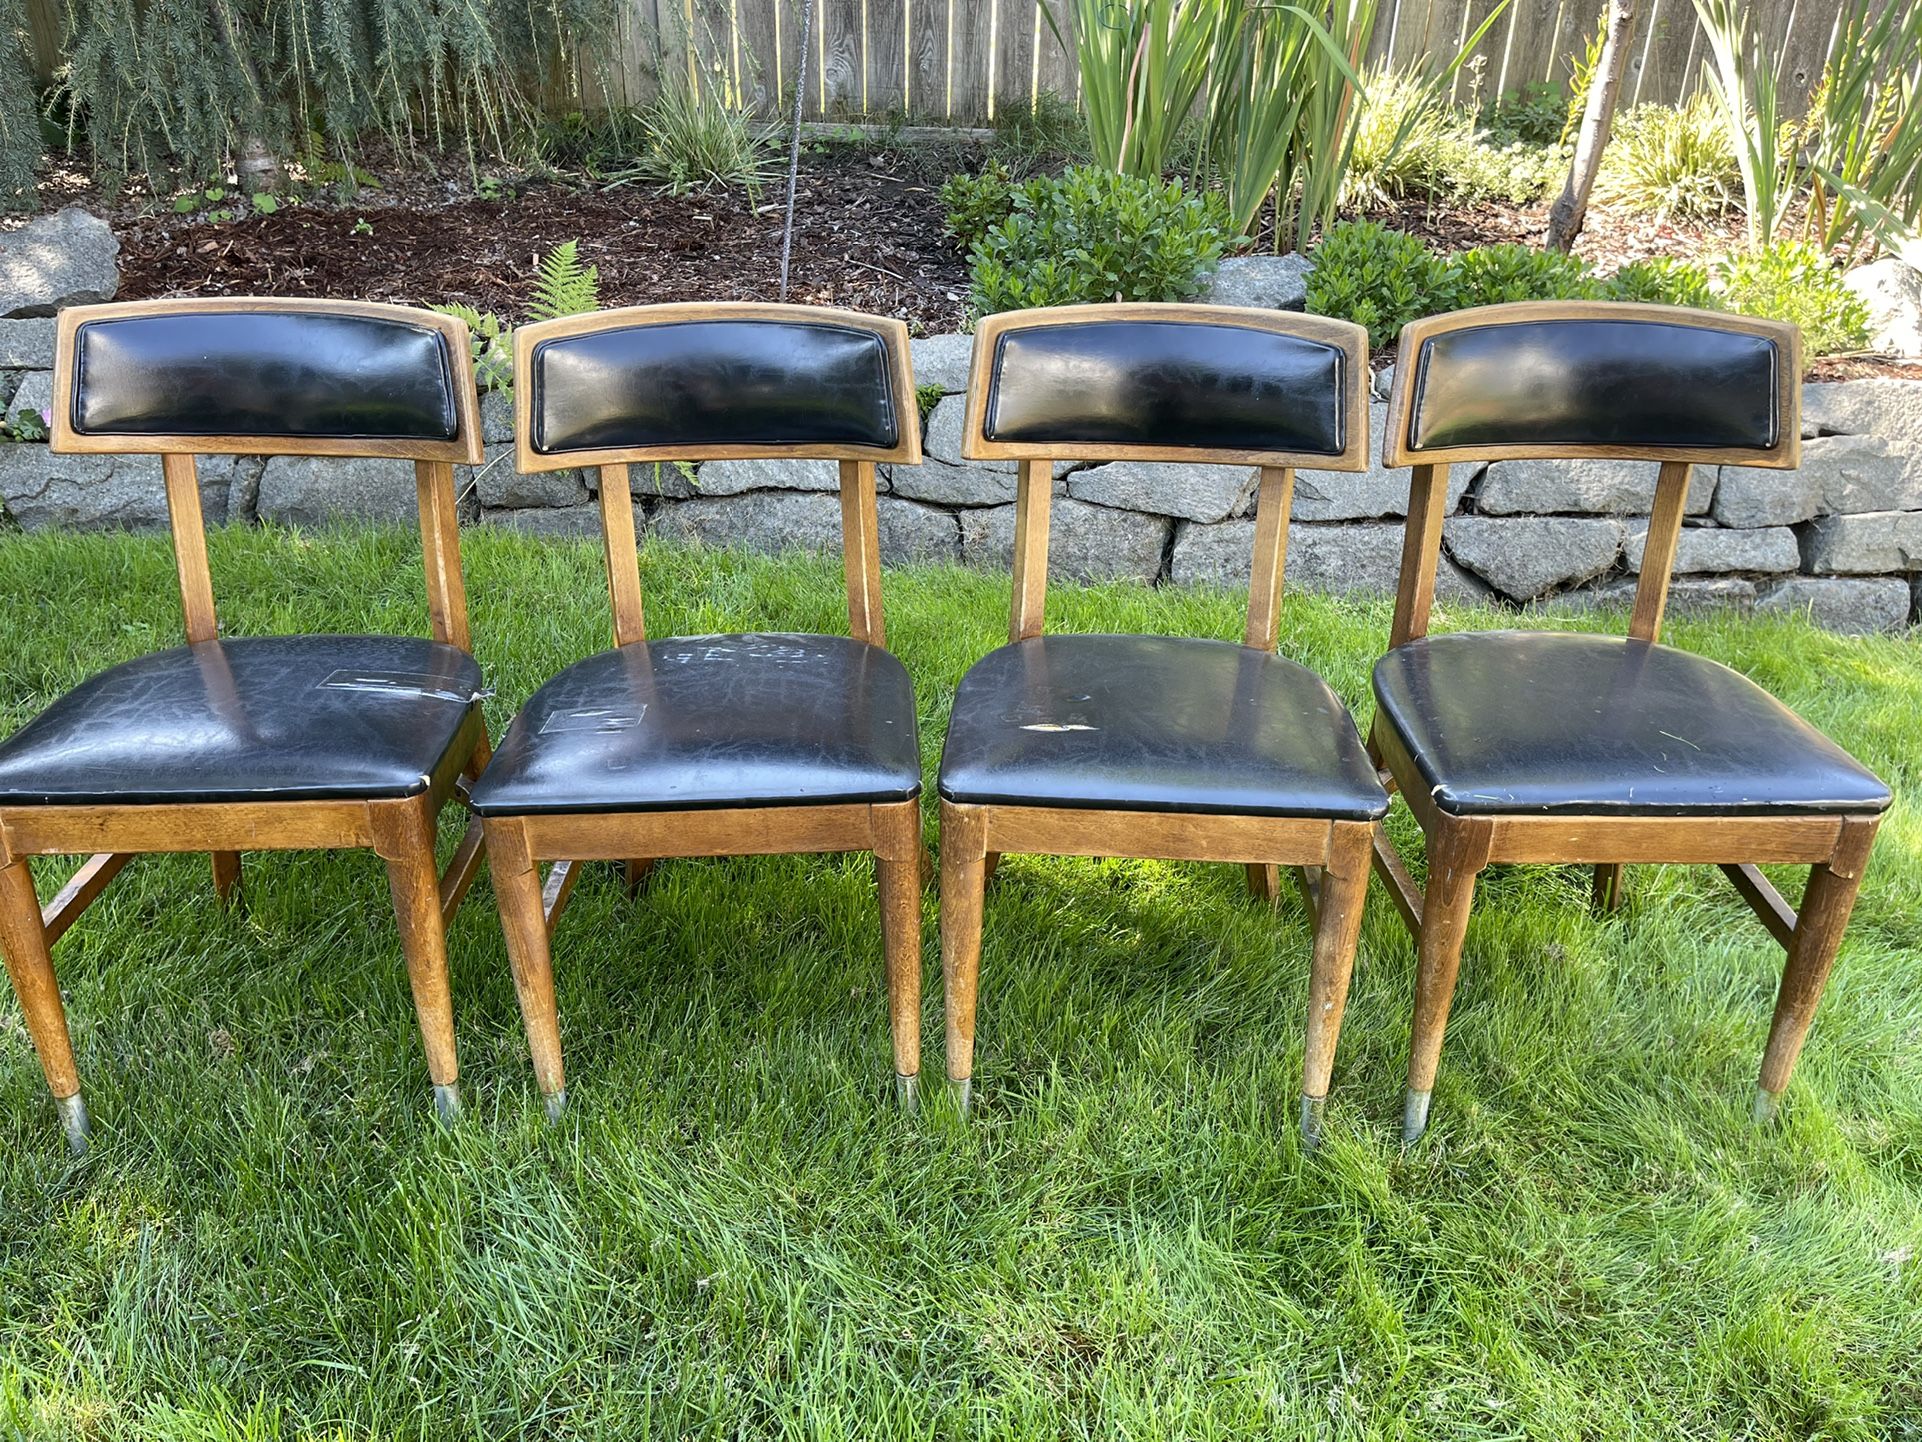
{"x":1768,"y":1106}
{"x":73,"y":1120}
{"x":447,"y":1103}
{"x":907,"y":1093}
{"x":1312,"y":1111}
{"x":556,"y":1104}
{"x":1414,"y":1116}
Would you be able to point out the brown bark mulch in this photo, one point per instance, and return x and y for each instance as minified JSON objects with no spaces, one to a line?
{"x":864,"y":238}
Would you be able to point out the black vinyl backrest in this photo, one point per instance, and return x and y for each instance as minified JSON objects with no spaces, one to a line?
{"x":1100,"y":382}
{"x":1647,"y":381}
{"x":783,"y":380}
{"x":294,"y":374}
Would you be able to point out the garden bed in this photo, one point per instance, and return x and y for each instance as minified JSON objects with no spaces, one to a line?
{"x":867,"y":237}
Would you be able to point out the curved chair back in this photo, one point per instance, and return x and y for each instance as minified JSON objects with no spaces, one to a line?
{"x":723,"y":381}
{"x":256,"y":376}
{"x":1207,"y":384}
{"x":1567,"y":381}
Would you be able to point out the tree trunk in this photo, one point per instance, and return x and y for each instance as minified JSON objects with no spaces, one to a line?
{"x":1598,"y":118}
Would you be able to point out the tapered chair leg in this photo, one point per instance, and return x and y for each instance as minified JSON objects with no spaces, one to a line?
{"x":1264,"y":882}
{"x":517,"y":888}
{"x":227,"y":876}
{"x":897,"y":864}
{"x":30,"y":964}
{"x":1344,"y":891}
{"x":405,"y":840}
{"x":1819,"y":925}
{"x":636,"y":873}
{"x":1608,"y":894}
{"x":964,"y":885}
{"x":1456,"y":854}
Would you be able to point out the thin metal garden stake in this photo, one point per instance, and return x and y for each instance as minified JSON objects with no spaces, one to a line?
{"x":794,"y":143}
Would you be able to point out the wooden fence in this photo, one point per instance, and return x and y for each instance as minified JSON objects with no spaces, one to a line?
{"x":965,"y":62}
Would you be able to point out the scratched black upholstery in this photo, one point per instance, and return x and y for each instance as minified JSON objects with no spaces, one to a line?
{"x":282,"y":718}
{"x":1155,"y":723}
{"x":1524,"y":723}
{"x":741,"y":382}
{"x":263,"y":373}
{"x":1595,"y":382}
{"x":1166,"y":383}
{"x":711,"y":721}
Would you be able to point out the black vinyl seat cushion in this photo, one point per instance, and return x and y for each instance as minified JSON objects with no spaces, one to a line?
{"x":701,"y":722}
{"x":266,"y":718}
{"x":1526,"y":723}
{"x":1155,"y":723}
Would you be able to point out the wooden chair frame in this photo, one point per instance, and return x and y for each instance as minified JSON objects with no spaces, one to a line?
{"x":517,"y":846}
{"x":1459,"y":847}
{"x":1329,"y":859}
{"x":401,"y":832}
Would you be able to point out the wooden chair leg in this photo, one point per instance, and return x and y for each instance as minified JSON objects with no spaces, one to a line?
{"x":517,"y":889}
{"x":227,"y":876}
{"x":1608,"y":893}
{"x":30,"y":965}
{"x":991,"y":863}
{"x":1819,"y":924}
{"x":404,"y":837}
{"x":1457,"y":851}
{"x":964,"y":884}
{"x":1264,"y":882}
{"x":1344,"y":891}
{"x":897,"y":864}
{"x":636,"y":872}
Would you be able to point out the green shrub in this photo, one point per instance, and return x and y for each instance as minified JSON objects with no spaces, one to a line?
{"x":1795,"y":282}
{"x":1671,"y":163}
{"x":1092,"y":235}
{"x":1469,"y":169}
{"x":1493,"y":274}
{"x":697,"y":141}
{"x":1398,"y":135}
{"x":1664,"y":282}
{"x":1537,"y":115}
{"x":1376,"y":277}
{"x":977,"y":203}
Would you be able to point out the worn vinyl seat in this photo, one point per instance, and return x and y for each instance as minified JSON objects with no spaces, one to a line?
{"x":711,"y":721}
{"x":280,"y":718}
{"x":1521,"y":723}
{"x":1155,"y":723}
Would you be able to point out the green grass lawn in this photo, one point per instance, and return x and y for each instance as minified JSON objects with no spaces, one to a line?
{"x":734,"y":1234}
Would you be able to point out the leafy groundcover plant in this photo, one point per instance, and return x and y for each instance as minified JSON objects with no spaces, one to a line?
{"x":1091,"y":235}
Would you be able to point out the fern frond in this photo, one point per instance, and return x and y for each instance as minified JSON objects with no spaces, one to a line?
{"x":563,"y":286}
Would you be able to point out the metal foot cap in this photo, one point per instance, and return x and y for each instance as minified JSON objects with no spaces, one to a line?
{"x":1768,"y":1106}
{"x":556,"y":1103}
{"x":1414,"y":1116}
{"x":907,"y":1093}
{"x":73,"y":1120}
{"x":1312,"y":1111}
{"x":447,"y":1102}
{"x":963,"y":1094}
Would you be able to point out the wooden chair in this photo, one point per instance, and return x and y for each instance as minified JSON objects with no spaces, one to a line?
{"x":257,"y":742}
{"x":1517,"y":747}
{"x":1152,"y":746}
{"x":712,"y":745}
